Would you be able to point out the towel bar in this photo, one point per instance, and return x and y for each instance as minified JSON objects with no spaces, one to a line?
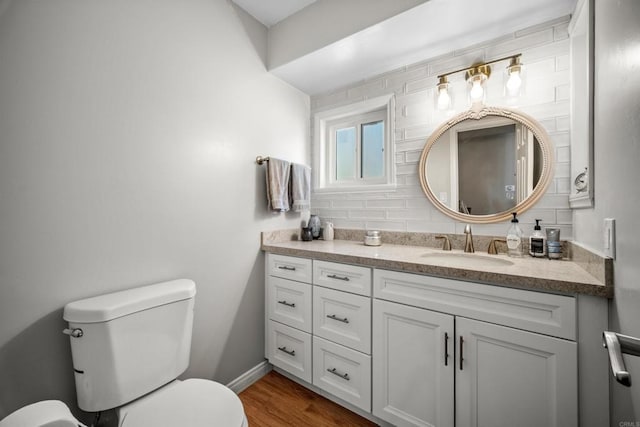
{"x":617,"y":344}
{"x":260,"y":160}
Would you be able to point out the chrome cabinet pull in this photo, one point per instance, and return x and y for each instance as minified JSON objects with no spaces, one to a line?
{"x":339,"y":319}
{"x":289,"y":352}
{"x":461,"y":354}
{"x":286,"y":267}
{"x":333,"y":276}
{"x":617,"y":344}
{"x":446,"y":349}
{"x":288,"y":304}
{"x":344,"y":376}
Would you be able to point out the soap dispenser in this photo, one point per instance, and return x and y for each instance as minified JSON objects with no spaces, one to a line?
{"x":514,"y":238}
{"x":537,"y":242}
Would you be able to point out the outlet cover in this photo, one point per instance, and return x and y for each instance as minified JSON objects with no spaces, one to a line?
{"x":610,"y":237}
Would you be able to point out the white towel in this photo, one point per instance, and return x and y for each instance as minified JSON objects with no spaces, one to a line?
{"x":278,"y":172}
{"x":300,"y":187}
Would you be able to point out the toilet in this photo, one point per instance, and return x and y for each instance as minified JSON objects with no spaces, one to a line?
{"x":128,"y":349}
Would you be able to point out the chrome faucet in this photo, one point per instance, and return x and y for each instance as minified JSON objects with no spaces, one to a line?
{"x":468,"y":244}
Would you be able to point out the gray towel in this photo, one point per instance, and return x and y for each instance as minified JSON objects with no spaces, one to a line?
{"x":300,"y":187}
{"x":278,"y":184}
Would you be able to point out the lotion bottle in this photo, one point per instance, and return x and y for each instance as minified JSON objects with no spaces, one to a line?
{"x":537,"y":242}
{"x":514,"y":238}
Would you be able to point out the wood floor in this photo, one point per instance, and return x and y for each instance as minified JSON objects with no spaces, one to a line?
{"x":276,"y":401}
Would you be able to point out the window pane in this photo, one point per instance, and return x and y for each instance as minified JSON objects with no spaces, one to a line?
{"x":345,"y":153}
{"x":373,"y":150}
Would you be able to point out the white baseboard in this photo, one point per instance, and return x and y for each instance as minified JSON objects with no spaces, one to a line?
{"x":250,"y":377}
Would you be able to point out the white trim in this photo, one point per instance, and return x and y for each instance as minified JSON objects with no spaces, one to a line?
{"x":321,"y":180}
{"x":250,"y":377}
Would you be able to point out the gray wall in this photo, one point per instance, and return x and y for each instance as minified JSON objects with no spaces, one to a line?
{"x":128,"y":133}
{"x":617,"y":153}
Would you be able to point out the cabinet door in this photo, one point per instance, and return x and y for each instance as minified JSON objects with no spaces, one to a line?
{"x":509,"y":377}
{"x":413,"y":365}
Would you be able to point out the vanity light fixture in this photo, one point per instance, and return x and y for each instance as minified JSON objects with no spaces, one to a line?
{"x":476,"y":76}
{"x":443,"y":98}
{"x":514,"y":78}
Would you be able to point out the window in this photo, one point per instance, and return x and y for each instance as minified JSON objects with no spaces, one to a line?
{"x":354,"y":147}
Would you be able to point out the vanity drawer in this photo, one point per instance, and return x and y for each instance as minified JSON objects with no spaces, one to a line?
{"x":343,"y":277}
{"x":342,"y":317}
{"x":289,"y":267}
{"x":290,"y":350}
{"x":343,"y":372}
{"x":289,"y":302}
{"x":547,"y":314}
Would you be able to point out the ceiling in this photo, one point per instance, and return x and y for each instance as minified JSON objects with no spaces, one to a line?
{"x":270,"y":12}
{"x":433,"y":28}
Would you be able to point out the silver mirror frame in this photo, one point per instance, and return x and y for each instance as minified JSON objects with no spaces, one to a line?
{"x":546,"y":176}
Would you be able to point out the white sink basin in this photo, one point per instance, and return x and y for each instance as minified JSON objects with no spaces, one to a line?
{"x":456,"y":259}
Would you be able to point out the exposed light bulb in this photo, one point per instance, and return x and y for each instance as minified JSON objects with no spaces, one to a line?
{"x":514,"y":82}
{"x":477,"y":92}
{"x":513,"y":85}
{"x":444,"y":100}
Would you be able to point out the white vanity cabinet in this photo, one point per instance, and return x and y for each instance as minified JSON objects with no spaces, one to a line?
{"x":342,"y":331}
{"x":430,"y":360}
{"x":319,"y":324}
{"x":409,"y":349}
{"x":288,"y":306}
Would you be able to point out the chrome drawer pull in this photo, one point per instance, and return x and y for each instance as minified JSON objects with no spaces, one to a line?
{"x":339,"y":319}
{"x":286,"y":267}
{"x":333,"y":276}
{"x":288,"y":304}
{"x":289,"y":352}
{"x":344,"y":376}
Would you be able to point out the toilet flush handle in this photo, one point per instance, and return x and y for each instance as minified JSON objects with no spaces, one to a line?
{"x":75,"y":333}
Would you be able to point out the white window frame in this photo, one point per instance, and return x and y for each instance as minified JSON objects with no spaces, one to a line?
{"x":326,"y":122}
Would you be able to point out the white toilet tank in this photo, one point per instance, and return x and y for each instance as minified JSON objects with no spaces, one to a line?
{"x":131,"y":342}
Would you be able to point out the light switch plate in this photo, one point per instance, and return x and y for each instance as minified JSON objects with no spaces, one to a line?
{"x":610,"y":237}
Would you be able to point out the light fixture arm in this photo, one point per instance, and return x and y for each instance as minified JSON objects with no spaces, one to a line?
{"x":481,"y":66}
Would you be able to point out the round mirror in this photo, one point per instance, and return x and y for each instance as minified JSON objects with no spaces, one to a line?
{"x":484,"y":164}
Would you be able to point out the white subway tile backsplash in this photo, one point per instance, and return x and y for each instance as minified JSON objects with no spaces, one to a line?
{"x":431,"y":227}
{"x":563,"y":154}
{"x":563,"y":92}
{"x":563,"y":123}
{"x":519,"y":44}
{"x":386,"y":203}
{"x":564,"y":216}
{"x":560,"y":139}
{"x":563,"y":170}
{"x":545,"y":54}
{"x":413,"y":156}
{"x":367,"y":214}
{"x":386,"y":225}
{"x":563,"y":185}
{"x":562,"y":62}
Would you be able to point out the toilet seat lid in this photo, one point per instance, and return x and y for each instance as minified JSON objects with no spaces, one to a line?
{"x":188,"y":403}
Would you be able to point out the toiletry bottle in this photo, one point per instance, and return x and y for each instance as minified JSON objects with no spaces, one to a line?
{"x":514,"y":238}
{"x":537,"y":241}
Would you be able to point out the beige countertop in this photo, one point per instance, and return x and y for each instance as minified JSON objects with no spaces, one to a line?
{"x":559,"y":276}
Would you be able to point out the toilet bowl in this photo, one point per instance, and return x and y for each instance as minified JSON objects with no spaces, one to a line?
{"x":192,"y":402}
{"x":47,"y":413}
